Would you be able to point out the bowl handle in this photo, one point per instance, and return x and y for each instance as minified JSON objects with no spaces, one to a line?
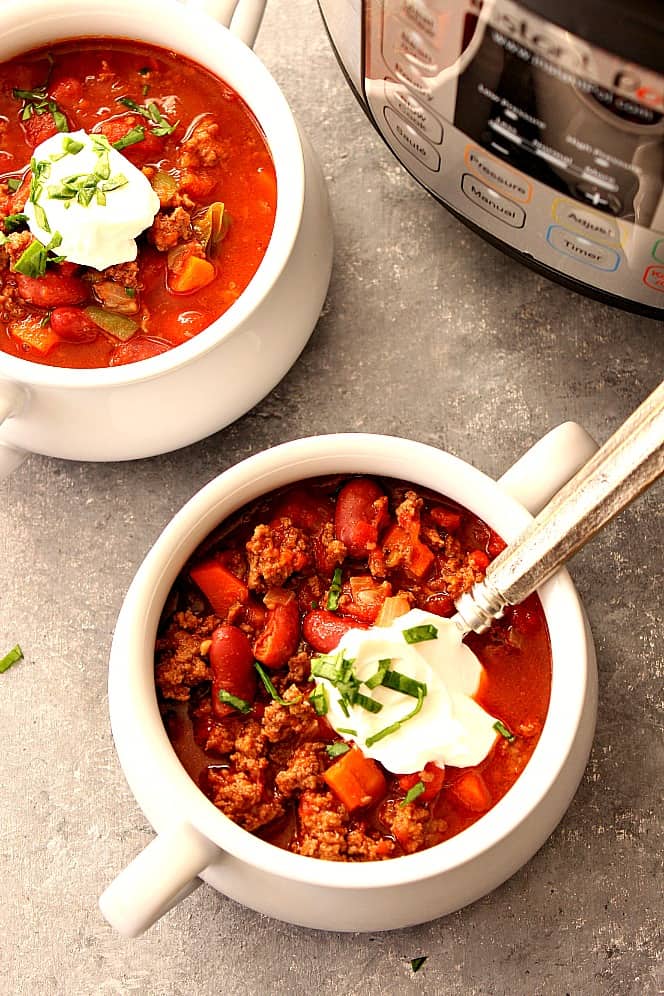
{"x":159,"y":877}
{"x":242,"y":17}
{"x":545,"y":467}
{"x":12,"y":400}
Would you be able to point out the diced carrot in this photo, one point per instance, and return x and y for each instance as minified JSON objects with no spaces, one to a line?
{"x":194,"y":273}
{"x":472,"y":791}
{"x":356,"y":780}
{"x":400,"y":545}
{"x":32,"y":333}
{"x":219,"y":585}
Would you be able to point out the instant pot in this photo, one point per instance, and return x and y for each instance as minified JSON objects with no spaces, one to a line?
{"x":540,"y":124}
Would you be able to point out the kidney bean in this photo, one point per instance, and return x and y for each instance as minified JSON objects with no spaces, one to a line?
{"x":323,"y":629}
{"x":73,"y":324}
{"x":279,"y":638}
{"x":360,"y":513}
{"x":304,"y":509}
{"x":232,"y":663}
{"x":138,"y":348}
{"x":52,"y":290}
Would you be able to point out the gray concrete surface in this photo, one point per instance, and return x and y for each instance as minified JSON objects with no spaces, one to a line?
{"x":430,"y":333}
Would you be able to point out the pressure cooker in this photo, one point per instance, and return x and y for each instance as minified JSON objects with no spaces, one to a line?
{"x":540,"y":124}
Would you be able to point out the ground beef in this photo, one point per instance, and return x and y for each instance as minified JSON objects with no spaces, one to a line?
{"x":275,"y":553}
{"x":242,"y":799}
{"x":457,"y":574}
{"x":203,"y":148}
{"x":170,"y":229}
{"x":180,"y":662}
{"x":304,"y":769}
{"x":323,"y":823}
{"x":329,"y":551}
{"x":16,"y":244}
{"x":286,"y":722}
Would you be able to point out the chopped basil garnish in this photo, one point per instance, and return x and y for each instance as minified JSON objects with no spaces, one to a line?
{"x":377,"y":679}
{"x":233,"y":700}
{"x":416,"y":963}
{"x":344,"y":729}
{"x":130,"y":291}
{"x":413,"y":793}
{"x":418,"y":634}
{"x":335,"y":591}
{"x":38,"y":102}
{"x":337,"y":749}
{"x":32,"y":262}
{"x":159,"y":124}
{"x":269,"y":686}
{"x":504,"y":731}
{"x":13,"y":183}
{"x":131,"y":138}
{"x":71,"y":145}
{"x":402,"y":683}
{"x":15,"y":654}
{"x":318,"y":699}
{"x":370,"y":741}
{"x":13,"y":222}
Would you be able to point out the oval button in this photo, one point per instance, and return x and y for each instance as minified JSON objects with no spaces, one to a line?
{"x":411,"y":140}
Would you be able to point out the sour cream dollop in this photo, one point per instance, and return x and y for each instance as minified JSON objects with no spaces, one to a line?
{"x":450,"y":727}
{"x":88,"y":201}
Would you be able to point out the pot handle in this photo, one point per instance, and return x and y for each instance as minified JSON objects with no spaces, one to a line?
{"x":535,"y":478}
{"x":11,"y":402}
{"x":157,"y":879}
{"x":242,"y":17}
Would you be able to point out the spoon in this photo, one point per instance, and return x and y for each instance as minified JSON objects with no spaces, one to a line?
{"x":628,"y":463}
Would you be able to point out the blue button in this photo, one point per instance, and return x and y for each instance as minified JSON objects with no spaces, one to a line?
{"x":578,"y":247}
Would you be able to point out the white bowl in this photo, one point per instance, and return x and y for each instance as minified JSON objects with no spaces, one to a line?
{"x":180,"y":396}
{"x":196,"y":839}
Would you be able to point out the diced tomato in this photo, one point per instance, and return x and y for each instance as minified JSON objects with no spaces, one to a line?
{"x":360,"y":515}
{"x":432,"y":777}
{"x":73,"y":324}
{"x":66,"y":92}
{"x":148,"y":149}
{"x":222,"y":588}
{"x":38,"y":127}
{"x":323,"y":629}
{"x":52,"y":290}
{"x":478,"y":561}
{"x":280,"y":636}
{"x":356,"y":780}
{"x":140,"y":347}
{"x":363,"y":597}
{"x":304,"y":509}
{"x":495,"y":545}
{"x":449,"y":521}
{"x":232,"y":665}
{"x":471,"y":790}
{"x":402,"y":546}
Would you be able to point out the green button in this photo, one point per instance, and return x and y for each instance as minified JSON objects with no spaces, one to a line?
{"x":658,"y":251}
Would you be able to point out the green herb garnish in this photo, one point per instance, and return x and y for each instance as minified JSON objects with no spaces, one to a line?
{"x":370,"y":741}
{"x":267,"y":682}
{"x":13,"y":222}
{"x":418,"y":634}
{"x":416,"y":963}
{"x":413,"y":793}
{"x":131,"y":138}
{"x":504,"y":731}
{"x":38,"y":102}
{"x":377,"y":679}
{"x":232,"y":700}
{"x":318,"y":699}
{"x":337,"y":749}
{"x":403,"y":683}
{"x":335,"y":591}
{"x":15,"y":654}
{"x":344,"y":729}
{"x":159,"y":124}
{"x":32,"y":262}
{"x":13,"y":183}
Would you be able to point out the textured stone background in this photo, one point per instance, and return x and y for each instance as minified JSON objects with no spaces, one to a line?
{"x":430,"y":333}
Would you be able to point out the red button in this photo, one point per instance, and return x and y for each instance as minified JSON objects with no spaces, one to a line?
{"x":654,"y":277}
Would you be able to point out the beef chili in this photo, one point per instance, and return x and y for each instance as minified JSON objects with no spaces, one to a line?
{"x":265,"y":600}
{"x":207,"y":161}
